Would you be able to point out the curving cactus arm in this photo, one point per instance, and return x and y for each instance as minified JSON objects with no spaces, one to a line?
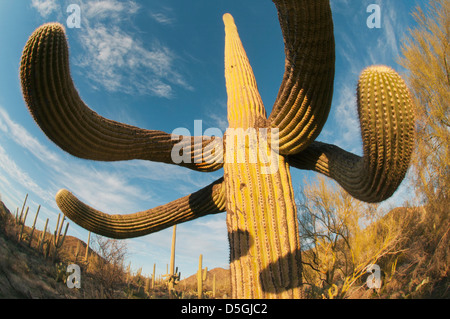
{"x":56,"y":106}
{"x":387,"y":127}
{"x":304,"y":99}
{"x":209,"y":200}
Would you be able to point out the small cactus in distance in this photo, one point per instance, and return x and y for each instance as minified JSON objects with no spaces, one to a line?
{"x":19,"y":217}
{"x":201,"y":277}
{"x":34,"y":226}
{"x":86,"y":256}
{"x":58,"y":239}
{"x":153,"y":276}
{"x":42,"y":238}
{"x":22,"y":222}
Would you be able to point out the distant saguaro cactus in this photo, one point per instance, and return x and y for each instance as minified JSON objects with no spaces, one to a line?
{"x":86,"y":255}
{"x":42,"y":238}
{"x":201,"y":277}
{"x":34,"y":226}
{"x":22,"y":221}
{"x":19,"y":217}
{"x":58,"y":239}
{"x":265,"y":259}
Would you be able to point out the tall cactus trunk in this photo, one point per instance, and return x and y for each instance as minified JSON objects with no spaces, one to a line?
{"x":171,"y":274}
{"x":263,"y":232}
{"x":261,"y":214}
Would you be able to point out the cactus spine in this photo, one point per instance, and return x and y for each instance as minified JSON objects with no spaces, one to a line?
{"x":261,"y":212}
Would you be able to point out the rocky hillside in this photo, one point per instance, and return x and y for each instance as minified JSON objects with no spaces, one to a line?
{"x":421,"y":269}
{"x":26,"y":273}
{"x":23,"y":272}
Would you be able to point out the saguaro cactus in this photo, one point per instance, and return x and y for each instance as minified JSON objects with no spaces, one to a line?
{"x":42,"y":238}
{"x":261,"y":212}
{"x":22,"y":221}
{"x":201,"y":277}
{"x":153,"y":276}
{"x":86,"y":255}
{"x":172,"y":276}
{"x":19,"y":217}
{"x":58,"y":239}
{"x":34,"y":226}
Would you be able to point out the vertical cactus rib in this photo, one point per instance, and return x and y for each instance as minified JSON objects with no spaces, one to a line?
{"x":245,"y":107}
{"x":56,"y":106}
{"x":209,"y":200}
{"x":263,"y":232}
{"x":387,"y":127}
{"x":304,"y":99}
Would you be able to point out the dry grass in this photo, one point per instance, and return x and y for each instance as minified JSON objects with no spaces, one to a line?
{"x":26,"y":273}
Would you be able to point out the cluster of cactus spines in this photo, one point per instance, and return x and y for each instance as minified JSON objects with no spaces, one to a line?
{"x":387,"y":125}
{"x":201,"y":277}
{"x":261,"y":212}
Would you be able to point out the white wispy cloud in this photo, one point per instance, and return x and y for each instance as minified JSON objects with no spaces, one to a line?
{"x":111,"y":9}
{"x":115,"y":57}
{"x":110,"y":190}
{"x":161,"y":18}
{"x":23,"y":138}
{"x":45,"y":7}
{"x":110,"y":187}
{"x":348,"y":135}
{"x":119,"y":60}
{"x":9,"y":166}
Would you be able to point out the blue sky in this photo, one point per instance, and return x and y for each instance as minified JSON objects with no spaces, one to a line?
{"x":159,"y":65}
